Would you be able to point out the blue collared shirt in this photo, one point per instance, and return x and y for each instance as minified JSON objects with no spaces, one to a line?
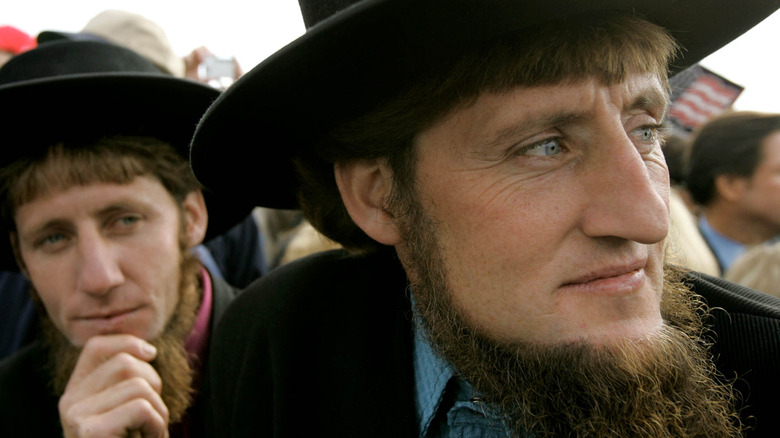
{"x":725,"y":249}
{"x":448,"y":406}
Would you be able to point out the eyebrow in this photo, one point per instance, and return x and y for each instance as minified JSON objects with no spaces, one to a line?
{"x":53,"y":223}
{"x":649,"y":100}
{"x":537,"y":123}
{"x":116,"y":208}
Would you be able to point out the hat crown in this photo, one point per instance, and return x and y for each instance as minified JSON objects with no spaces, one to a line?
{"x":315,"y":11}
{"x":71,"y":58}
{"x":138,"y":33}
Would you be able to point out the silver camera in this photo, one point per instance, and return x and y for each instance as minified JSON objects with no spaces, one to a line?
{"x":217,"y":68}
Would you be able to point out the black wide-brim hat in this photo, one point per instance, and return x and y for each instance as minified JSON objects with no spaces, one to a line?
{"x":83,"y":90}
{"x":356,"y":54}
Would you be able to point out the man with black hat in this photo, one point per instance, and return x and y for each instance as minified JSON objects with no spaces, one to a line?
{"x":494,"y":169}
{"x":102,"y":210}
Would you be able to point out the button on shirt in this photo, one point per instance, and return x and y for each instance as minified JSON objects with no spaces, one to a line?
{"x":448,"y":406}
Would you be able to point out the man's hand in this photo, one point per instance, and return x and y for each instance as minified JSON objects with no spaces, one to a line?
{"x":197,"y":57}
{"x":114,"y":391}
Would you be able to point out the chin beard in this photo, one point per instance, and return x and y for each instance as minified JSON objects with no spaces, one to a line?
{"x":663,"y":386}
{"x":172,"y":362}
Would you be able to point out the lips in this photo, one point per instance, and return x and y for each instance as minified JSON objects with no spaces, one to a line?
{"x":107,"y":314}
{"x":111,"y":321}
{"x":614,"y":279}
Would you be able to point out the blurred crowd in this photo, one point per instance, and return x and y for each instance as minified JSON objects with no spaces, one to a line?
{"x":725,"y":206}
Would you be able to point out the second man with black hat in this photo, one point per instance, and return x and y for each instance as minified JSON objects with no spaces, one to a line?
{"x":101,"y":211}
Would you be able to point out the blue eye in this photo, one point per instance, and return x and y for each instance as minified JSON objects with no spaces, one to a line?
{"x":125,"y":223}
{"x":52,"y":239}
{"x":647,"y":133}
{"x":546,"y":148}
{"x":128,"y":220}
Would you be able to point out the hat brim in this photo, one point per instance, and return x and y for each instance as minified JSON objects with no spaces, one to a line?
{"x":348,"y":63}
{"x":48,"y":36}
{"x":38,"y":113}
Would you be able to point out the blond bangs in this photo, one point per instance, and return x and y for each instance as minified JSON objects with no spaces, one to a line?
{"x":610,"y":51}
{"x":63,"y":167}
{"x":112,"y":160}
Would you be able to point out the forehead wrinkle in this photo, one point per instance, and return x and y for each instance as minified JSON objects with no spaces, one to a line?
{"x":648,"y":98}
{"x":526,"y":127}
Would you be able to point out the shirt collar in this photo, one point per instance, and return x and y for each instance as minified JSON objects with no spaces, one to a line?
{"x":432,"y":374}
{"x":726,"y":250}
{"x":197,"y":340}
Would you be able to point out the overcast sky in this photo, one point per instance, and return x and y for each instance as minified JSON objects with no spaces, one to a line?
{"x":251,"y":30}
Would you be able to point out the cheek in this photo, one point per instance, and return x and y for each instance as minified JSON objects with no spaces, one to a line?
{"x":773,"y":187}
{"x":156,"y":270}
{"x":496,"y":252}
{"x":504,"y":224}
{"x":53,"y":302}
{"x":764,"y":194}
{"x":166,"y":284}
{"x":52,"y":283}
{"x":163,"y":289}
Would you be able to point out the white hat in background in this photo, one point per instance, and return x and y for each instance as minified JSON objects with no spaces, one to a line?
{"x":130,"y":30}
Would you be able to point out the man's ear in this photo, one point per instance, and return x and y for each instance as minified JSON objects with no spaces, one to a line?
{"x":364,"y":185}
{"x":196,"y":217}
{"x":731,"y":187}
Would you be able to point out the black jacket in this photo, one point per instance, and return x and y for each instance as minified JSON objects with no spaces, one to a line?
{"x":28,"y":406}
{"x":322,"y":347}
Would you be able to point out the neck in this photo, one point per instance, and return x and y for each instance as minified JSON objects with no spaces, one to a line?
{"x":737,"y":227}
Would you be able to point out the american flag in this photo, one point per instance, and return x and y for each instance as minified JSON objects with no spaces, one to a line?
{"x":698,"y":95}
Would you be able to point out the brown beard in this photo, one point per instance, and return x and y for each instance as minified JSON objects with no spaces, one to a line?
{"x":172,"y":362}
{"x":664,"y":386}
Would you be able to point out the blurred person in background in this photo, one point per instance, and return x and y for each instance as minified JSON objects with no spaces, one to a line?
{"x":685,"y":245}
{"x":758,"y":268}
{"x":146,"y":37}
{"x":732,"y":176}
{"x":13,"y":42}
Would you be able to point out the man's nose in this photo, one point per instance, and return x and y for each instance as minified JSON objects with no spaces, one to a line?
{"x":627,"y":193}
{"x":99,"y":270}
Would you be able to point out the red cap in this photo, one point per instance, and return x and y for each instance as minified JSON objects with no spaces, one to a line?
{"x":14,"y":40}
